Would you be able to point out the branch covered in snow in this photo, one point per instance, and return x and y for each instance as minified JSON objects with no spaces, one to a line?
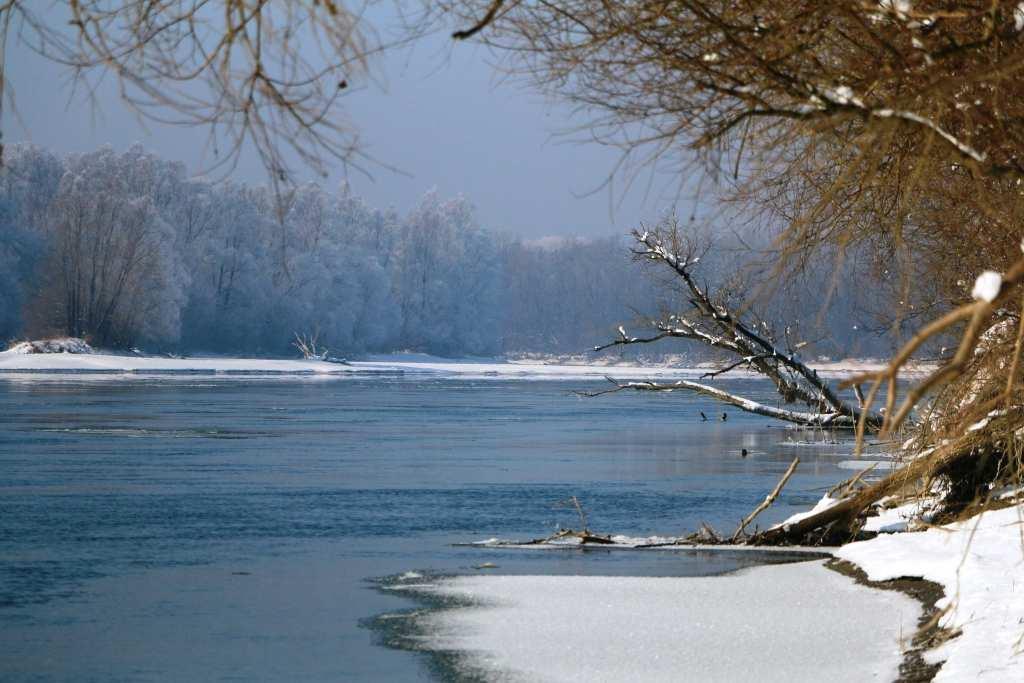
{"x":804,"y":418}
{"x":714,"y":324}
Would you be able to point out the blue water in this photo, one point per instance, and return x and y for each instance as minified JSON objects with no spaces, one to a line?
{"x":162,"y":529}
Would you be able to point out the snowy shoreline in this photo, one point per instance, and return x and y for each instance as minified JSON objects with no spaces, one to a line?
{"x":979,"y":563}
{"x":404,"y":364}
{"x":602,"y":628}
{"x":589,"y":628}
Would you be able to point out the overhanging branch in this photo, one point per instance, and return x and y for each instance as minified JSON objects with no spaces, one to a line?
{"x":804,"y":418}
{"x":719,"y":327}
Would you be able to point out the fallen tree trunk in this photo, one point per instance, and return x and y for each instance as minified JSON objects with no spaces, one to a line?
{"x":804,"y":418}
{"x":711,"y":321}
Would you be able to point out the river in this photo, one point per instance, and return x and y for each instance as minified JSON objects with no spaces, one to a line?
{"x":233,"y":529}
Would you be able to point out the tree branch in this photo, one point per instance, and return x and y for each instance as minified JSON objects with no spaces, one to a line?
{"x":807,"y":419}
{"x":719,"y":327}
{"x":492,"y":12}
{"x":769,"y":499}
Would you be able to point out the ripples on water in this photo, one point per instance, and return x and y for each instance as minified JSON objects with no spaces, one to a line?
{"x":227,"y":528}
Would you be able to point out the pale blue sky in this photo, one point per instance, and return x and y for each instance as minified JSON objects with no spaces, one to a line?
{"x":440,"y":115}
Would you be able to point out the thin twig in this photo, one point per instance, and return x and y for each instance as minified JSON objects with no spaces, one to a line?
{"x":766,"y":503}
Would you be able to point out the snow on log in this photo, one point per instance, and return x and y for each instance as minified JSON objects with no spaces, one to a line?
{"x":809,"y":419}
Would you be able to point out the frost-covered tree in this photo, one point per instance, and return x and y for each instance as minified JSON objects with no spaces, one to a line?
{"x":446,"y":279}
{"x":110,"y":272}
{"x":27,"y":187}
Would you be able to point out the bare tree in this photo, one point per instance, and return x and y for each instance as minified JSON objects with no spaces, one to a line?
{"x":269,"y":74}
{"x":104,"y":263}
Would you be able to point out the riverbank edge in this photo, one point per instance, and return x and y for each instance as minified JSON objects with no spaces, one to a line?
{"x":401,"y":630}
{"x":913,"y":668}
{"x":105,"y":362}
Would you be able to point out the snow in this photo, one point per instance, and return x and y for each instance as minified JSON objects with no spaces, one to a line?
{"x":110,"y":363}
{"x":886,"y":521}
{"x":824,"y":504}
{"x":844,"y":93}
{"x":57,"y":345}
{"x":900,"y":8}
{"x":979,"y":564}
{"x":650,"y":544}
{"x":986,"y":287}
{"x":982,"y":423}
{"x":618,"y":541}
{"x":895,"y":519}
{"x":964,"y":148}
{"x":608,"y":628}
{"x":778,"y":619}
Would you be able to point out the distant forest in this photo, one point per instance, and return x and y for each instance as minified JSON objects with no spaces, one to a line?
{"x":125,"y":249}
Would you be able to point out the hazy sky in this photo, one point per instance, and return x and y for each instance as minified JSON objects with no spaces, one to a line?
{"x":441,"y":117}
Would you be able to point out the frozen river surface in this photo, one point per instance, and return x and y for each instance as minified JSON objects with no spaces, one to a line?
{"x":198,"y":528}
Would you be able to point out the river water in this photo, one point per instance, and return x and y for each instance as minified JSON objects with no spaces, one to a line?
{"x":233,"y":529}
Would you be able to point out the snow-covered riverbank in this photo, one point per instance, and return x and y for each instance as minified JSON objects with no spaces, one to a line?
{"x":791,"y":622}
{"x":980,"y":565}
{"x":114,"y":364}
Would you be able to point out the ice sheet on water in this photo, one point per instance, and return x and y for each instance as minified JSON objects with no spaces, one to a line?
{"x":588,"y":628}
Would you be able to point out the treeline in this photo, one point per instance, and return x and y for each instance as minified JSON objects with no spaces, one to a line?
{"x":125,"y":250}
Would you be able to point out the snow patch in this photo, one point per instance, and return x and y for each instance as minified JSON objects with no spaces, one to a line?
{"x":986,"y":287}
{"x":980,"y":564}
{"x":894,"y":519}
{"x":824,"y":504}
{"x":406,"y":364}
{"x":588,"y":628}
{"x":91,"y":362}
{"x":57,"y":345}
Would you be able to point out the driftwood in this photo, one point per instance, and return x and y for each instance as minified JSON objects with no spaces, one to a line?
{"x":586,"y":536}
{"x":309,"y":346}
{"x":767,"y":502}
